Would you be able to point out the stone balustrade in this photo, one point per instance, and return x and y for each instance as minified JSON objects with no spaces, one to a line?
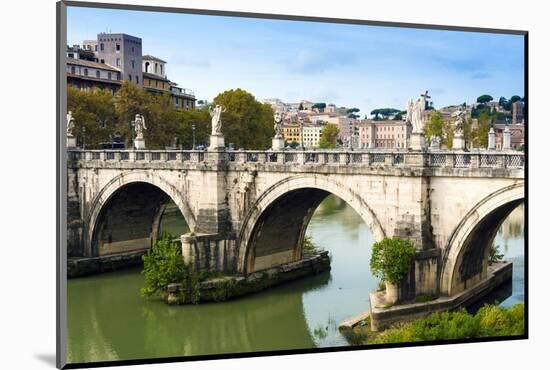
{"x":372,"y":158}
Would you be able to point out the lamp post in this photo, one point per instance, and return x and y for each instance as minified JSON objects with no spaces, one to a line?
{"x":193,"y":128}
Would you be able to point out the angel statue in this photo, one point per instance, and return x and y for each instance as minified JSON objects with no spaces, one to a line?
{"x":139,"y":126}
{"x":417,"y":113}
{"x":70,"y":124}
{"x":460,"y":116}
{"x":278,"y":118}
{"x":216,"y":119}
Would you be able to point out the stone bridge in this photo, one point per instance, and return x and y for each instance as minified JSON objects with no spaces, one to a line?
{"x":249,"y":210}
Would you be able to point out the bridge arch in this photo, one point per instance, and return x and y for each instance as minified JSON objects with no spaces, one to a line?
{"x":464,"y":261}
{"x":291,"y":203}
{"x":126,"y":180}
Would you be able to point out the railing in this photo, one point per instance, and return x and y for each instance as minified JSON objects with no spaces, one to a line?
{"x":363,"y":158}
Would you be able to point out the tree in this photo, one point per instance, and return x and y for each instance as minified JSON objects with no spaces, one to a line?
{"x":246,"y":122}
{"x":352,"y":113}
{"x":384,"y":112}
{"x":484,"y":99}
{"x":94,"y":115}
{"x":514,"y":99}
{"x":301,"y":107}
{"x":480,"y":133}
{"x":319,"y":106}
{"x":435,"y":127}
{"x":329,"y":136}
{"x":391,"y":259}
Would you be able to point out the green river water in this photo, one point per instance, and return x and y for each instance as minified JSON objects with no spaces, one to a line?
{"x":108,"y":320}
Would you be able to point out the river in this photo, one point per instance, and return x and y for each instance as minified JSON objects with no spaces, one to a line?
{"x":108,"y":320}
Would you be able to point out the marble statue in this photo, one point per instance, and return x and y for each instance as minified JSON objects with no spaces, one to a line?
{"x":216,"y":119}
{"x":70,"y":123}
{"x":278,"y":127}
{"x":416,"y":113}
{"x":139,"y":126}
{"x":460,"y":121}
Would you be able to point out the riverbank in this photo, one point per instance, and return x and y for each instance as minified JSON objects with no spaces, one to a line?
{"x":85,"y":266}
{"x":229,"y":287}
{"x":489,"y":321}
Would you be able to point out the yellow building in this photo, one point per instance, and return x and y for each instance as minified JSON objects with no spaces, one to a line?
{"x":291,"y":133}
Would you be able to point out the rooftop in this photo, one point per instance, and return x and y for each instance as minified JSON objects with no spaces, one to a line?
{"x":150,"y":57}
{"x":90,"y":64}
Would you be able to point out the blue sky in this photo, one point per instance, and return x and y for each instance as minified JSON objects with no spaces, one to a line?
{"x":349,"y":65}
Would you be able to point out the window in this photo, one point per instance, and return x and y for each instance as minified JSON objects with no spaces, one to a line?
{"x":156,"y":68}
{"x":130,"y":77}
{"x":109,"y":75}
{"x":161,"y":69}
{"x":85,"y":71}
{"x":118,"y":62}
{"x":132,"y":49}
{"x":97,"y":74}
{"x":72,"y":70}
{"x":95,"y":47}
{"x":117,"y":47}
{"x":137,"y":79}
{"x":156,"y":84}
{"x":147,"y":67}
{"x":101,"y":46}
{"x":102,"y":61}
{"x":133,"y":63}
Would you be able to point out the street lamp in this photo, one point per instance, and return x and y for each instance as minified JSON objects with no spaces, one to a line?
{"x":193,"y":128}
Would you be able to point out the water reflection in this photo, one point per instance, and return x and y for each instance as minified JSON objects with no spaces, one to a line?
{"x":108,"y":320}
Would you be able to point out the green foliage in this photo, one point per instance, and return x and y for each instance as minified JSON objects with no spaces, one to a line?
{"x":94,"y":115}
{"x":352,"y":113}
{"x":391,"y":259}
{"x":246,"y":122}
{"x":319,"y":106}
{"x":434,"y":127}
{"x":385,"y":113}
{"x":484,"y":99}
{"x":480,"y":133}
{"x":163,"y":265}
{"x":494,"y":254}
{"x":489,"y":321}
{"x":308,"y":247}
{"x":329,"y":136}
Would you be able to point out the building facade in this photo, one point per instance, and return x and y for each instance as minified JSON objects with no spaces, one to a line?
{"x":122,"y":52}
{"x":292,"y":133}
{"x":84,"y":74}
{"x":383,"y":134}
{"x":311,"y":134}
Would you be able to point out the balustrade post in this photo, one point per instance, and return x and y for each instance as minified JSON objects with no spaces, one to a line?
{"x":163,"y":156}
{"x":131,"y":156}
{"x":88,"y":156}
{"x":366,"y":159}
{"x":117,"y":156}
{"x":147,"y":156}
{"x":280,"y":157}
{"x":449,"y":160}
{"x":501,"y":161}
{"x":474,"y":161}
{"x":179,"y":156}
{"x":321,"y":158}
{"x":102,"y":156}
{"x":343,"y":158}
{"x":300,"y":157}
{"x":388,"y":159}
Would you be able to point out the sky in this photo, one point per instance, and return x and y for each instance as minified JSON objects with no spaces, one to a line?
{"x":361,"y":66}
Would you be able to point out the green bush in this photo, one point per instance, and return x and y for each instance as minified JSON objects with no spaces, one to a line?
{"x":489,"y":321}
{"x":308,"y":247}
{"x":494,"y":254}
{"x":163,"y":265}
{"x":391,"y":258}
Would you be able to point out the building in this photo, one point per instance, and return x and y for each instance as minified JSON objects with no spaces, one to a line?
{"x":154,"y":75}
{"x":311,"y":134}
{"x":291,"y":133}
{"x":382,"y":134}
{"x":116,"y":57}
{"x":122,"y":52}
{"x":517,"y":137}
{"x":84,"y":74}
{"x":184,"y":99}
{"x":518,"y":108}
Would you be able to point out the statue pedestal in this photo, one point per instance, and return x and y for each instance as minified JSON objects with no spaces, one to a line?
{"x":277,"y":143}
{"x":71,"y":142}
{"x":139,"y":143}
{"x":216,"y":142}
{"x":459,"y":143}
{"x":418,"y":142}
